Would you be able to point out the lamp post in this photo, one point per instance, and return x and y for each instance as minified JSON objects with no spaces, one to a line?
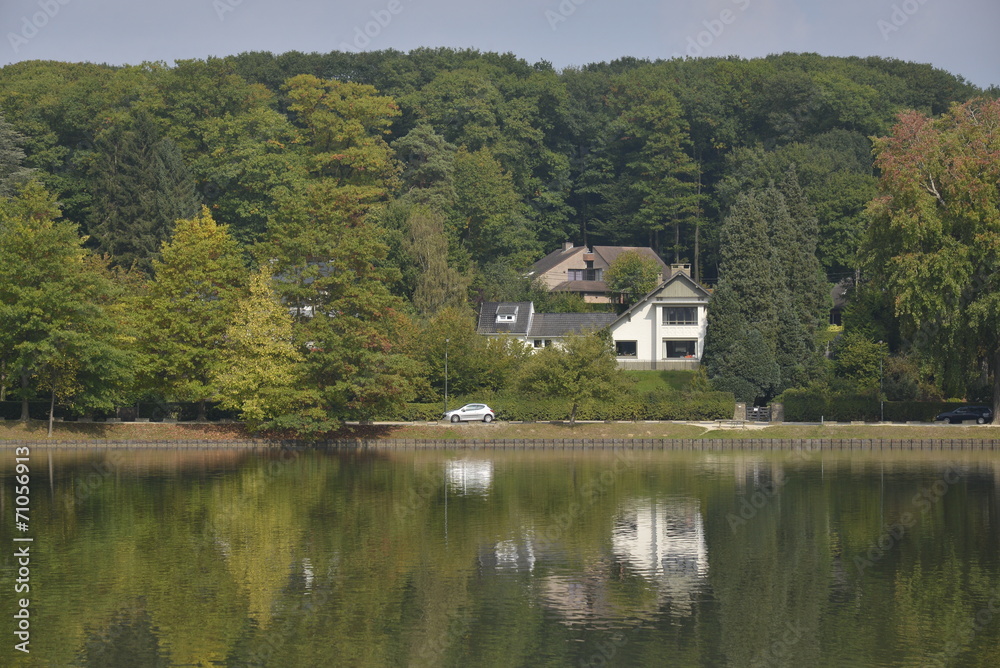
{"x":446,"y":375}
{"x":881,"y":392}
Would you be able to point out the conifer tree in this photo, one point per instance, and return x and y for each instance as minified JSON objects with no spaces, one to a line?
{"x":140,"y":186}
{"x":12,"y":172}
{"x":743,"y":316}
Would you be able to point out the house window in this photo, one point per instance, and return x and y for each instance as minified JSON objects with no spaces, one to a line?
{"x":548,"y":342}
{"x":680,"y":349}
{"x":575,"y":274}
{"x":585,"y":274}
{"x":626,"y":349}
{"x":680,"y":315}
{"x":537,"y":343}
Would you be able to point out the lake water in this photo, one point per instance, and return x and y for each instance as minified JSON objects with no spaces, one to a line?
{"x":486,"y":558}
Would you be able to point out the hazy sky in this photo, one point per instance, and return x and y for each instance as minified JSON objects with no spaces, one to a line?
{"x":960,"y":36}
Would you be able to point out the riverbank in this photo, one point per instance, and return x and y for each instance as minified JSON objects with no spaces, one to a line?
{"x":232,"y":434}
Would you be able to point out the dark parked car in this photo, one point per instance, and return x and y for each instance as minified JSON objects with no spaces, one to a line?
{"x":979,"y":414}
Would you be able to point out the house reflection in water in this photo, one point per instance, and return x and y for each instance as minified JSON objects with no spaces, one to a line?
{"x":659,"y":542}
{"x":664,"y":542}
{"x":469,"y":476}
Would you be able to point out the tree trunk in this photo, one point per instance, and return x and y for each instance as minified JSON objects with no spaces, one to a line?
{"x":25,"y":416}
{"x":201,"y":411}
{"x":695,"y":271}
{"x":3,"y":381}
{"x":572,"y":413}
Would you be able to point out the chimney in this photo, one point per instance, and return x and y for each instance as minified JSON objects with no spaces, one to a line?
{"x":567,"y":245}
{"x":682,"y":268}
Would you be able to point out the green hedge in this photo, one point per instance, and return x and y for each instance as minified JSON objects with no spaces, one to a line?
{"x":810,"y":405}
{"x":673,"y":406}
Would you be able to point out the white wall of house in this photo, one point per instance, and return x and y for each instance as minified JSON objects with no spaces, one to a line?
{"x":669,"y":325}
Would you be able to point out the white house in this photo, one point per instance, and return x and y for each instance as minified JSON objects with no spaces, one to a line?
{"x":663,"y":330}
{"x":666,"y":328}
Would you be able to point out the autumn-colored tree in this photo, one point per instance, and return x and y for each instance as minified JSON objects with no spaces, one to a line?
{"x":258,"y":372}
{"x":934,"y":234}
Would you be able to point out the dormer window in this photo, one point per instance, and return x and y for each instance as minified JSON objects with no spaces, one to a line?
{"x":507,"y":314}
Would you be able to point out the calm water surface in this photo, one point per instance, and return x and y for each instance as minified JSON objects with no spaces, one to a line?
{"x":486,"y":558}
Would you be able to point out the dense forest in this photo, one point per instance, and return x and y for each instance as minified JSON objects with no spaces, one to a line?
{"x":191,"y":219}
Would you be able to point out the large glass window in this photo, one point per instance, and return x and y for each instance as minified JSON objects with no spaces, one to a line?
{"x":680,"y":315}
{"x":626,"y":349}
{"x":680,"y":349}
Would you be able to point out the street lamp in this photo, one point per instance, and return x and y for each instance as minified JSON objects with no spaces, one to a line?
{"x":446,"y":375}
{"x":881,"y":391}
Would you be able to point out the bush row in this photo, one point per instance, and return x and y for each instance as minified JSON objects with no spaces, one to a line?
{"x":808,"y":405}
{"x":184,"y":411}
{"x":694,"y":406}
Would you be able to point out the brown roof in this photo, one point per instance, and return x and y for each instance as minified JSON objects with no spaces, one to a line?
{"x":581,"y":286}
{"x":553,"y":259}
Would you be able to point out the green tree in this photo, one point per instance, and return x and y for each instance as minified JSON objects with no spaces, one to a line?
{"x":861,"y":360}
{"x":748,"y":369}
{"x":140,"y":187}
{"x":630,"y":277}
{"x":187,"y":307}
{"x":258,"y":372}
{"x":581,"y":369}
{"x":331,"y":270}
{"x":57,"y":329}
{"x":743,"y":316}
{"x":935,"y":228}
{"x":12,"y":172}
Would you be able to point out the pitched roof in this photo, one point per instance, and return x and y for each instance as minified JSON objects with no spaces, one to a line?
{"x":488,"y":317}
{"x":563,"y":324}
{"x":553,"y":259}
{"x":679,"y":275}
{"x":581,"y":286}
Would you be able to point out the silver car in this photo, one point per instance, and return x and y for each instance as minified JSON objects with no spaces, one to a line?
{"x":471,"y":412}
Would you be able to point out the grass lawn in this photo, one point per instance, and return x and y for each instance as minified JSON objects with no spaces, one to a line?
{"x":158,"y":432}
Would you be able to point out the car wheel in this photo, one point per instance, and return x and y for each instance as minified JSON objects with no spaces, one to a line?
{"x":487,"y":418}
{"x":981,"y":420}
{"x":455,"y":418}
{"x":949,"y":421}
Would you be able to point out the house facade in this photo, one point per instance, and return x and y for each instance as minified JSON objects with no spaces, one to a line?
{"x":580,"y":270}
{"x":666,"y":328}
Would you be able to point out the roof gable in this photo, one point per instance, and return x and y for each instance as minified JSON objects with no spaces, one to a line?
{"x":678,"y":286}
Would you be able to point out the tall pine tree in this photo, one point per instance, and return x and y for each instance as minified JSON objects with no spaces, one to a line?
{"x":140,"y":186}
